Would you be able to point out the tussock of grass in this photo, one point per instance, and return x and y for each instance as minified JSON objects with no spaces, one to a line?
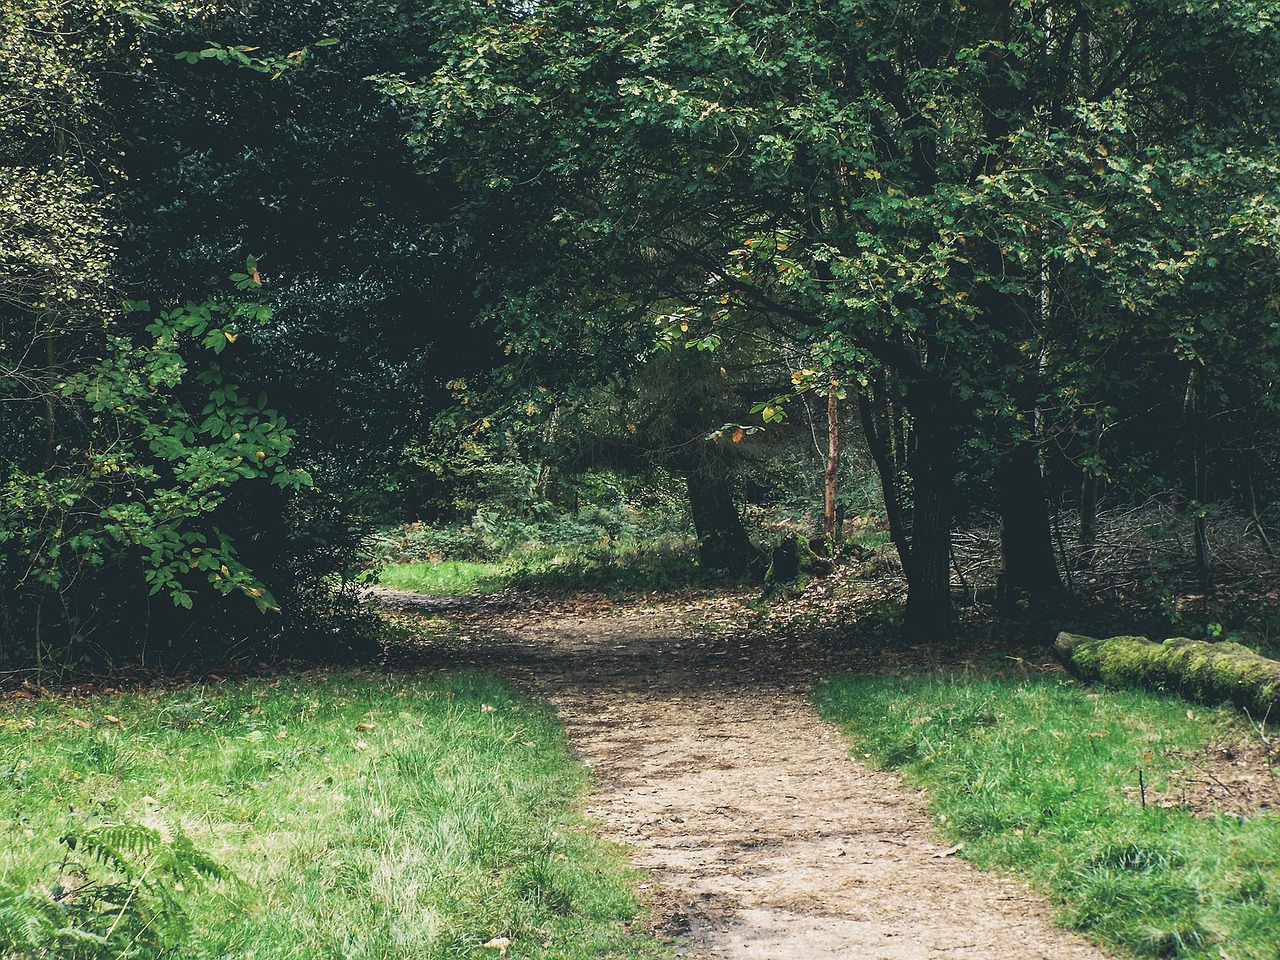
{"x":616,"y":568}
{"x":1042,"y":776}
{"x":366,"y":817}
{"x":444,"y":577}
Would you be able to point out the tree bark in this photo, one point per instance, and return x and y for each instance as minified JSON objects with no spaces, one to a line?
{"x":723,"y":544}
{"x":929,"y":612}
{"x":880,"y":423}
{"x":829,"y":529}
{"x":1028,"y":570}
{"x":1089,"y":516}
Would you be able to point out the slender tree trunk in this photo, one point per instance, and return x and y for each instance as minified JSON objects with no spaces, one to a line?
{"x":1028,"y":570}
{"x":1256,"y":521}
{"x":880,"y":424}
{"x":830,"y":529}
{"x":1193,"y":407}
{"x":1089,"y":516}
{"x":543,"y":484}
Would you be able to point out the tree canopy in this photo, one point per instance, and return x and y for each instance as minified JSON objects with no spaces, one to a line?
{"x":1033,"y":243}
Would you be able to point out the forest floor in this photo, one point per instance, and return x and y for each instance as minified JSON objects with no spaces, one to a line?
{"x":759,"y":835}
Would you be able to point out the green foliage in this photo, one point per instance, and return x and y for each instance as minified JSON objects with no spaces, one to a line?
{"x":117,"y":892}
{"x":149,"y":448}
{"x":1042,"y":777}
{"x":1004,"y":223}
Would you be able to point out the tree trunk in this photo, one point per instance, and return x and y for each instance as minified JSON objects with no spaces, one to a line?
{"x":833,"y":459}
{"x":929,"y":613}
{"x":723,"y":544}
{"x":879,"y":423}
{"x":1089,"y":516}
{"x":1194,"y":410}
{"x":1028,"y":570}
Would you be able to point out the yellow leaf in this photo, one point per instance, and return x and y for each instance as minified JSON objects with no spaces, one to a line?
{"x":366,"y":725}
{"x":231,"y":337}
{"x":738,"y":434}
{"x":260,"y":455}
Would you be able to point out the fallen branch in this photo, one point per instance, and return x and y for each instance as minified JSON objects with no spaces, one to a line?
{"x":1214,"y":672}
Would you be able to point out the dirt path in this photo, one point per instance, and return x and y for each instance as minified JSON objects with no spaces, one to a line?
{"x":763,"y":839}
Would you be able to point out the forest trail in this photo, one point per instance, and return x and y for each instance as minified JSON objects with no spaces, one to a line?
{"x":763,"y":839}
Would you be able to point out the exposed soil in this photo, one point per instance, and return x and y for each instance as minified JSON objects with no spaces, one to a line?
{"x":761,"y":836}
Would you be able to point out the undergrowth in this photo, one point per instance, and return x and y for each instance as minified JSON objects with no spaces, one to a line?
{"x":617,"y":568}
{"x":1058,"y":783}
{"x":361,"y":817}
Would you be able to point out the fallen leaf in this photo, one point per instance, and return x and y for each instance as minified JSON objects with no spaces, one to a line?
{"x":500,"y":944}
{"x":110,"y":719}
{"x":360,"y":745}
{"x":366,"y":725}
{"x":950,"y":851}
{"x":80,"y":723}
{"x":485,"y":708}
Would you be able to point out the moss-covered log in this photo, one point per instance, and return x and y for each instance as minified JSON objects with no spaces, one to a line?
{"x":1214,"y":672}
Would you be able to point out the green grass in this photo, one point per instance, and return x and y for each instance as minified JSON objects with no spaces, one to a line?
{"x":444,"y":577}
{"x":612,"y":569}
{"x":365,"y":816}
{"x":1041,"y":776}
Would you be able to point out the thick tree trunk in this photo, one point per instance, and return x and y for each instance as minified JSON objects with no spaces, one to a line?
{"x":1028,"y":570}
{"x":723,"y":544}
{"x":929,"y":612}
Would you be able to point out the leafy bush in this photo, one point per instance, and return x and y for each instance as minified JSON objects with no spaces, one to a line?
{"x":151,"y":450}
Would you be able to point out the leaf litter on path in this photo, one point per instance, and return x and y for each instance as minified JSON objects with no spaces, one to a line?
{"x":763,"y":839}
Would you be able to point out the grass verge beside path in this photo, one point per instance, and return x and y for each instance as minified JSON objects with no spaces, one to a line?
{"x":444,"y":578}
{"x":1041,"y":776}
{"x":365,"y":817}
{"x":615,"y":569}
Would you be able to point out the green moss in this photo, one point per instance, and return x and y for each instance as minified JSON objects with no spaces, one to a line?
{"x":1209,"y":671}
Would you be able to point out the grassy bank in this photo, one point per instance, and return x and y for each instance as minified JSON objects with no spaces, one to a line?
{"x":611,"y":569}
{"x":444,"y":578}
{"x":360,"y":816}
{"x":1047,"y":778}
